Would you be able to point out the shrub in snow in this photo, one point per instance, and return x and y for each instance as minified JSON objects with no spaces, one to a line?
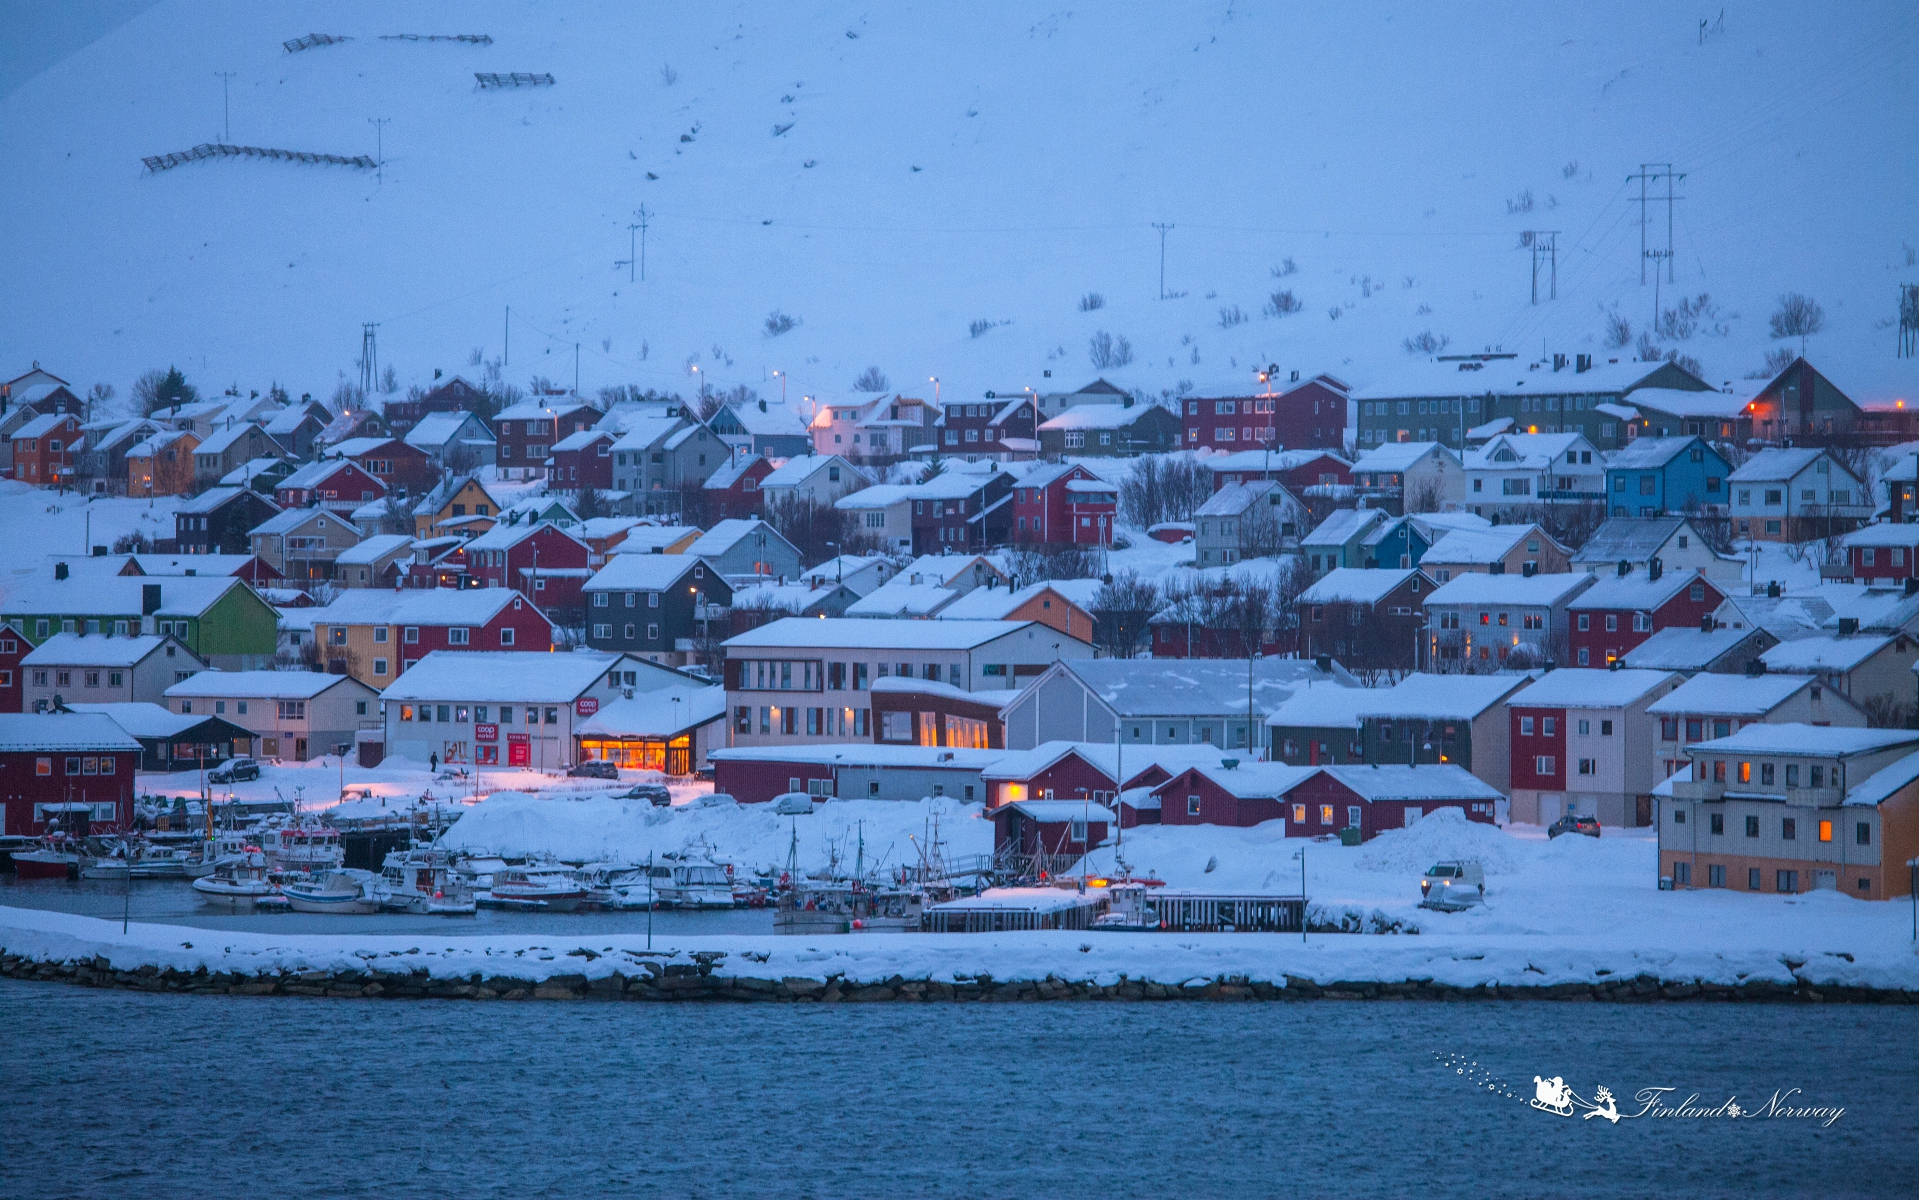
{"x":871,"y":380}
{"x":778,"y":322}
{"x":1284,"y":303}
{"x":1799,"y":317}
{"x":1522,"y":203}
{"x":1442,"y":834}
{"x":1230,"y":316}
{"x":1618,"y":332}
{"x":1289,"y":267}
{"x":1108,"y":351}
{"x":1426,"y":342}
{"x":1091,"y":301}
{"x":981,"y":326}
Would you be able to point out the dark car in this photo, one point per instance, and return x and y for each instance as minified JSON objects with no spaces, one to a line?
{"x":653,"y":793}
{"x":595,"y":769}
{"x":236,"y":770}
{"x":1586,"y":825}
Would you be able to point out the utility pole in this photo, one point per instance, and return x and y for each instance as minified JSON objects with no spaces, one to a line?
{"x":1544,"y":244}
{"x":1650,"y":173}
{"x":369,"y":359}
{"x":506,"y":354}
{"x":226,"y":108}
{"x":631,"y":257}
{"x":1163,"y":231}
{"x":379,"y":142}
{"x":576,"y":368}
{"x":642,"y":222}
{"x":1909,"y":320}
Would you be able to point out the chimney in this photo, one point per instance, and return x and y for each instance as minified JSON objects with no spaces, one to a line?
{"x":1848,"y":626}
{"x":1706,"y":623}
{"x":149,"y":599}
{"x":1582,"y":363}
{"x":59,"y":570}
{"x":1654,"y":568}
{"x":1912,"y":587}
{"x":1530,"y":569}
{"x":1772,"y":590}
{"x":1755,"y":666}
{"x":762,"y":406}
{"x":1559,"y":362}
{"x":1625,"y":568}
{"x":1615,"y":665}
{"x":1498,"y":568}
{"x":1325,"y":663}
{"x":1295,"y":378}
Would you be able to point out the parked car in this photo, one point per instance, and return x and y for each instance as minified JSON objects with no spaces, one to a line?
{"x":654,"y":793}
{"x":792,"y":804}
{"x":235,"y":770}
{"x":1453,"y":885}
{"x":596,"y":768}
{"x":1571,"y":824}
{"x":716,"y":800}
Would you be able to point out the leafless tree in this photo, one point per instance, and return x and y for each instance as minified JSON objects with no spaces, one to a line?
{"x":1798,"y":316}
{"x":1164,"y":487}
{"x":1032,"y":562}
{"x":817,"y":529}
{"x":871,"y":380}
{"x":1887,"y":711}
{"x":1262,"y":532}
{"x":1618,"y":332}
{"x":1107,"y":351}
{"x":1571,"y":524}
{"x":1426,"y":342}
{"x":1122,"y":613}
{"x":1423,"y":496}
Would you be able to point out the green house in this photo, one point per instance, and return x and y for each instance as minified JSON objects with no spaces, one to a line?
{"x":219,"y":618}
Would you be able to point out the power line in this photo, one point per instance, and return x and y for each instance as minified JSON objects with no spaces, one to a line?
{"x":226,"y":109}
{"x":1163,"y":231}
{"x":1645,"y":175}
{"x":379,"y":126}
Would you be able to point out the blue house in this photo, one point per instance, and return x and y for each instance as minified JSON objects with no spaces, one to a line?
{"x":1401,"y":542}
{"x":1655,"y":476}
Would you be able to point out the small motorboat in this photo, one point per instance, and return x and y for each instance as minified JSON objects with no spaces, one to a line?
{"x":238,"y":883}
{"x":138,"y":859}
{"x":421,"y":880}
{"x":1131,"y":910}
{"x":341,"y":890}
{"x":518,"y":887}
{"x":55,"y":861}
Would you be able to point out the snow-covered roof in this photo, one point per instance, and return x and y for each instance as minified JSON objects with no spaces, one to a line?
{"x":1637,"y":592}
{"x":1343,"y":525}
{"x":1883,"y":534}
{"x":503,"y":675}
{"x":641,"y":572}
{"x":1682,"y":649}
{"x":883,"y":495}
{"x":1730,"y":695}
{"x":666,"y":713}
{"x":272,"y":685}
{"x":764,"y":595}
{"x":287,"y":520}
{"x":731,"y":470}
{"x":864,"y":754}
{"x":854,"y":633}
{"x":541,"y":406}
{"x":1439,"y":697}
{"x":1134,"y":759}
{"x":581,"y":439}
{"x":947,"y":569}
{"x":1483,"y":546}
{"x":1510,"y":589}
{"x":1821,"y":741}
{"x":220,"y":441}
{"x":215,"y":497}
{"x":796,"y":471}
{"x":1775,"y":464}
{"x":142,"y":718}
{"x":1396,"y":458}
{"x":645,"y":432}
{"x":1183,"y":688}
{"x":180,"y":596}
{"x":1504,"y":377}
{"x":1591,"y":687}
{"x":1680,"y":402}
{"x":727,"y":534}
{"x":1098,"y":416}
{"x":1436,"y":781}
{"x":289,"y":420}
{"x":153,"y":443}
{"x":1885,"y":783}
{"x":998,"y":603}
{"x":431,"y":606}
{"x":356,"y":446}
{"x":1357,"y":585}
{"x":1491,"y":428}
{"x":191,"y":564}
{"x":652,"y":539}
{"x":1824,"y":653}
{"x":73,"y":650}
{"x":1246,"y":779}
{"x":249,"y":470}
{"x":1650,"y":453}
{"x":898,"y":598}
{"x":373,"y":549}
{"x":1236,"y":498}
{"x":768,"y":419}
{"x":441,"y":428}
{"x":1532,"y":451}
{"x":1054,"y":812}
{"x":62,"y":731}
{"x":41,"y":426}
{"x":1325,"y":704}
{"x":1262,"y":460}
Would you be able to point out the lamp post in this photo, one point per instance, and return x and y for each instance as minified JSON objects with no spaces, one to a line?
{"x":935,"y":381}
{"x":782,"y":379}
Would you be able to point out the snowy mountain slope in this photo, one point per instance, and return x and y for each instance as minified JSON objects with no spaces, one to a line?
{"x":888,"y":176}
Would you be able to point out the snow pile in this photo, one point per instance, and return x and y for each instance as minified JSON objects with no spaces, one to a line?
{"x":750,"y":836}
{"x":1442,"y":834}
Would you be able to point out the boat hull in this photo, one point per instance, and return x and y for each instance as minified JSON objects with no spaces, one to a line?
{"x":233,"y":901}
{"x":29,"y":866}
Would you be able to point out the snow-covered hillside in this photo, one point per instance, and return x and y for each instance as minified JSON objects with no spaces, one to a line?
{"x":889,"y":176}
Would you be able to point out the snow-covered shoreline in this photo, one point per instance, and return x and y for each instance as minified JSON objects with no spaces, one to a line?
{"x":48,"y":945}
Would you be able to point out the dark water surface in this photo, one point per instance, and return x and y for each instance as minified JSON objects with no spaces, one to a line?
{"x":119,"y":1094}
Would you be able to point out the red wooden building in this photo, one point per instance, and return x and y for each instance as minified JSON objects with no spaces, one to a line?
{"x":543,"y":562}
{"x":733,"y":491}
{"x":1883,"y":554}
{"x":1060,"y":829}
{"x":1378,"y":798}
{"x":925,"y":713}
{"x":43,"y":449}
{"x":469,"y":619}
{"x":1064,"y":504}
{"x":974,"y":430}
{"x":1297,"y":469}
{"x":1616,"y":614}
{"x":399,"y":466}
{"x":582,"y":460}
{"x":455,"y":395}
{"x":1242,"y":795}
{"x":12,"y":649}
{"x":339,"y":484}
{"x":528,"y":430}
{"x":962,"y":511}
{"x":1304,"y":414}
{"x":53,"y":763}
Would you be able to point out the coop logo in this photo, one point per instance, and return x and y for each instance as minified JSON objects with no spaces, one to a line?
{"x":1557,"y":1098}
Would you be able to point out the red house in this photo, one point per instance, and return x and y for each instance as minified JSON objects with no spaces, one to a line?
{"x":543,"y":562}
{"x":1884,"y":554}
{"x":733,"y":492}
{"x":74,"y":768}
{"x":398,"y":465}
{"x":469,"y":619}
{"x":1615,"y":615}
{"x":12,"y":649}
{"x":528,"y":430}
{"x":1065,"y":504}
{"x":582,"y":460}
{"x":1308,"y":414}
{"x":337,"y":483}
{"x":43,"y":449}
{"x":961,"y":511}
{"x":1242,"y":795}
{"x":1297,"y":469}
{"x":1061,"y":830}
{"x":1375,"y":799}
{"x":974,"y":431}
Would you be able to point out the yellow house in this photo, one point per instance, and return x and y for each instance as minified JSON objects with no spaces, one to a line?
{"x":1062,"y":604}
{"x":466,"y":506}
{"x":162,"y":465}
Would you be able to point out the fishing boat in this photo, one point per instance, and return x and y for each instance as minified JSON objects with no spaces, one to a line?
{"x":520,"y":887}
{"x":1131,"y":912}
{"x":422,"y":880}
{"x":341,"y":890}
{"x":138,"y":860}
{"x":54,"y":858}
{"x":691,"y":880}
{"x":217,"y":849}
{"x":239,"y":883}
{"x":303,"y":848}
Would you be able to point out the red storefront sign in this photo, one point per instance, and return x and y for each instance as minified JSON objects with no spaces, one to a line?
{"x":486,"y":733}
{"x":587,"y":706}
{"x":519,"y":751}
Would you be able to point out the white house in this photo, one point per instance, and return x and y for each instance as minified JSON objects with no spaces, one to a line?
{"x":293,"y":714}
{"x":1477,"y":622}
{"x":1426,"y":476}
{"x":98,"y":669}
{"x":1518,"y":470}
{"x":821,"y":478}
{"x":1785,"y":494}
{"x":884,"y":512}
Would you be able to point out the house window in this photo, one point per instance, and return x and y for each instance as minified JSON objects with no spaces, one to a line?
{"x":1544,"y":764}
{"x":506,"y":636}
{"x":456,"y":636}
{"x":379,"y":666}
{"x":411,"y":636}
{"x":1752,"y":827}
{"x":1192,"y":807}
{"x":1716,"y":875}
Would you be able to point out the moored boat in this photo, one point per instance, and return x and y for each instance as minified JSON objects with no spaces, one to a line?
{"x":422,"y":880}
{"x":519,"y":887}
{"x":238,"y":883}
{"x":342,"y":890}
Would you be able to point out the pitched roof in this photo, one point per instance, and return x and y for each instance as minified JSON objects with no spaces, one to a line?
{"x":998,"y":603}
{"x":180,"y":596}
{"x":641,"y":572}
{"x":73,"y":650}
{"x":1246,"y":780}
{"x":441,"y":428}
{"x":1682,"y":649}
{"x":1322,"y":705}
{"x":221,"y":440}
{"x":581,"y":439}
{"x":1236,"y":498}
{"x":1637,"y":592}
{"x":774,"y":421}
{"x":1629,"y":539}
{"x":1533,"y":451}
{"x":434,"y":606}
{"x":797,"y":470}
{"x":729,"y":533}
{"x":1883,"y":534}
{"x":645,"y":539}
{"x":883,"y":495}
{"x":1262,"y":460}
{"x":665,"y":713}
{"x":217,"y":497}
{"x":1099,"y":416}
{"x":271,"y":684}
{"x":646,"y":431}
{"x":1396,"y":458}
{"x":1681,"y":402}
{"x":1830,"y":653}
{"x":1650,"y":453}
{"x":1591,"y":687}
{"x":1438,"y":781}
{"x":1731,"y":695}
{"x":1818,"y":740}
{"x":373,"y":549}
{"x":1505,"y":377}
{"x":502,"y":675}
{"x":143,"y":718}
{"x":62,"y":731}
{"x":1343,"y":525}
{"x":1475,"y":588}
{"x":1775,"y":464}
{"x":1886,"y":782}
{"x":731,"y":470}
{"x":1357,"y":585}
{"x":1483,"y":546}
{"x":854,"y":633}
{"x":1198,"y":687}
{"x":1440,"y":696}
{"x":899,"y":598}
{"x":314,"y":474}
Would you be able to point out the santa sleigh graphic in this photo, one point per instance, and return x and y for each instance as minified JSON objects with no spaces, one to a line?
{"x":1556,"y":1096}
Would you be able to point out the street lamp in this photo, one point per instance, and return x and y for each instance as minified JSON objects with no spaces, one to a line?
{"x":935,"y":381}
{"x":782,"y":379}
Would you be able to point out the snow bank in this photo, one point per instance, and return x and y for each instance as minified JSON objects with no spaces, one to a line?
{"x":1442,"y":834}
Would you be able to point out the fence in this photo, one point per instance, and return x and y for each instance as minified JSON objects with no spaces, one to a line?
{"x":163,"y":162}
{"x":477,"y":39}
{"x":493,"y":79}
{"x":1188,"y":913}
{"x":311,"y":40}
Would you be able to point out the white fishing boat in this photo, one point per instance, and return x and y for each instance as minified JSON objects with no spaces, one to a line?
{"x":342,"y":890}
{"x":238,"y":883}
{"x":422,"y":880}
{"x":139,"y":859}
{"x":216,"y":850}
{"x":306,"y":848}
{"x":691,"y":880}
{"x":520,"y":887}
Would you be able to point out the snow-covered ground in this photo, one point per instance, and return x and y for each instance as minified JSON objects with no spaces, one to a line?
{"x":37,"y":523}
{"x":889,"y":176}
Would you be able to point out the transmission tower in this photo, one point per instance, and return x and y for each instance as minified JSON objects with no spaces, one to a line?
{"x":369,"y":358}
{"x":1909,"y":320}
{"x":1544,"y":244}
{"x":1650,"y":174}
